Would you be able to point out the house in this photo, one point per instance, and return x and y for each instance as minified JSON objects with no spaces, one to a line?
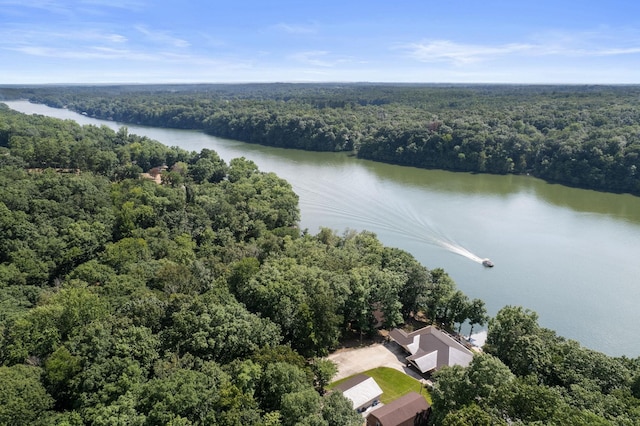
{"x":430,"y":349}
{"x":362,"y":391}
{"x":155,"y":174}
{"x":408,"y":410}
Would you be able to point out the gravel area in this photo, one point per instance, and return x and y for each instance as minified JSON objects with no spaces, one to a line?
{"x":354,"y":361}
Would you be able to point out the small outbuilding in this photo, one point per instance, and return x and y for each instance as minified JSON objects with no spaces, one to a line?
{"x":409,"y":410}
{"x":362,"y":391}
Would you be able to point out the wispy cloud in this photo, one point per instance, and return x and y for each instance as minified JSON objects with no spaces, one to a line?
{"x":162,"y":37}
{"x":130,"y":56}
{"x":92,"y":52}
{"x":449,"y":51}
{"x":317,"y":58}
{"x":90,"y":45}
{"x":23,"y":8}
{"x":296,"y":28}
{"x":70,"y":8}
{"x":117,"y":4}
{"x":583,"y":44}
{"x":599,"y":42}
{"x":116,"y":38}
{"x":17,"y":37}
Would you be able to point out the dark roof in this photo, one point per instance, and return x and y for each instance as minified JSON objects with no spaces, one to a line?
{"x":428,"y":340}
{"x":401,"y":410}
{"x":355,"y":380}
{"x":403,"y":338}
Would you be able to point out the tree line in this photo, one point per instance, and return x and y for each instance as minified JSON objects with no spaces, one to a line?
{"x":583,"y":136}
{"x":199,"y":300}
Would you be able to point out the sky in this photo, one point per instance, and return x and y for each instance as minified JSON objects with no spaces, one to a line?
{"x":422,"y":41}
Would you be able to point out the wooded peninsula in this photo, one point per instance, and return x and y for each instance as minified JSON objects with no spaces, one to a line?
{"x":195,"y":299}
{"x":582,"y":136}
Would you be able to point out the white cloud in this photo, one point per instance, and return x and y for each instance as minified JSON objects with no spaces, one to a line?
{"x":599,"y":42}
{"x":552,"y":43}
{"x":20,"y":35}
{"x":619,"y":51}
{"x":449,"y":51}
{"x":162,"y":37}
{"x":116,"y":38}
{"x":296,"y":28}
{"x":133,"y":5}
{"x":93,"y":52}
{"x":70,"y":8}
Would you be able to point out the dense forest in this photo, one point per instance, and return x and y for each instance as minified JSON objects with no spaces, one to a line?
{"x":197,"y":300}
{"x":584,"y":136}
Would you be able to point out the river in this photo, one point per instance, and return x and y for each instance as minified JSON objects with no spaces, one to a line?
{"x":571,"y":255}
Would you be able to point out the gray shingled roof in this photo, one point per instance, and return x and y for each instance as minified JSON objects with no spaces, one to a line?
{"x":431,"y":349}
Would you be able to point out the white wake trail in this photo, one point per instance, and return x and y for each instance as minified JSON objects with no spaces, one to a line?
{"x":371,"y":211}
{"x":454,"y":248}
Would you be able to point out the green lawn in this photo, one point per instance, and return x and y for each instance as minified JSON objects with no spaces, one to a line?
{"x":393,"y":383}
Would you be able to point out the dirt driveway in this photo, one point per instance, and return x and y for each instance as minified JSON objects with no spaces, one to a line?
{"x":353,"y":361}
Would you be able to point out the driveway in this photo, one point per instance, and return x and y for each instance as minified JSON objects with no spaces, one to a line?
{"x":354,"y":361}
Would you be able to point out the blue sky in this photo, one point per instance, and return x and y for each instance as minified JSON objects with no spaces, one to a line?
{"x":459,"y":41}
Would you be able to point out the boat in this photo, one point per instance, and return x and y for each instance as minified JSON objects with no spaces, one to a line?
{"x":488,"y":263}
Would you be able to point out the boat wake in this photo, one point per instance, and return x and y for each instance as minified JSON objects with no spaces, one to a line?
{"x":435,"y":237}
{"x":370,"y":212}
{"x":457,"y":249}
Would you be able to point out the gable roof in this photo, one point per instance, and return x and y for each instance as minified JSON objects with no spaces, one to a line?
{"x":360,"y":389}
{"x":400,"y":411}
{"x":431,"y":349}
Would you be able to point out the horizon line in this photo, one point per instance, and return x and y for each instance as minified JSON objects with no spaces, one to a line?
{"x":249,"y":82}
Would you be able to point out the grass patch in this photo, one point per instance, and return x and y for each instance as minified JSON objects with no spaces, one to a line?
{"x":393,"y":383}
